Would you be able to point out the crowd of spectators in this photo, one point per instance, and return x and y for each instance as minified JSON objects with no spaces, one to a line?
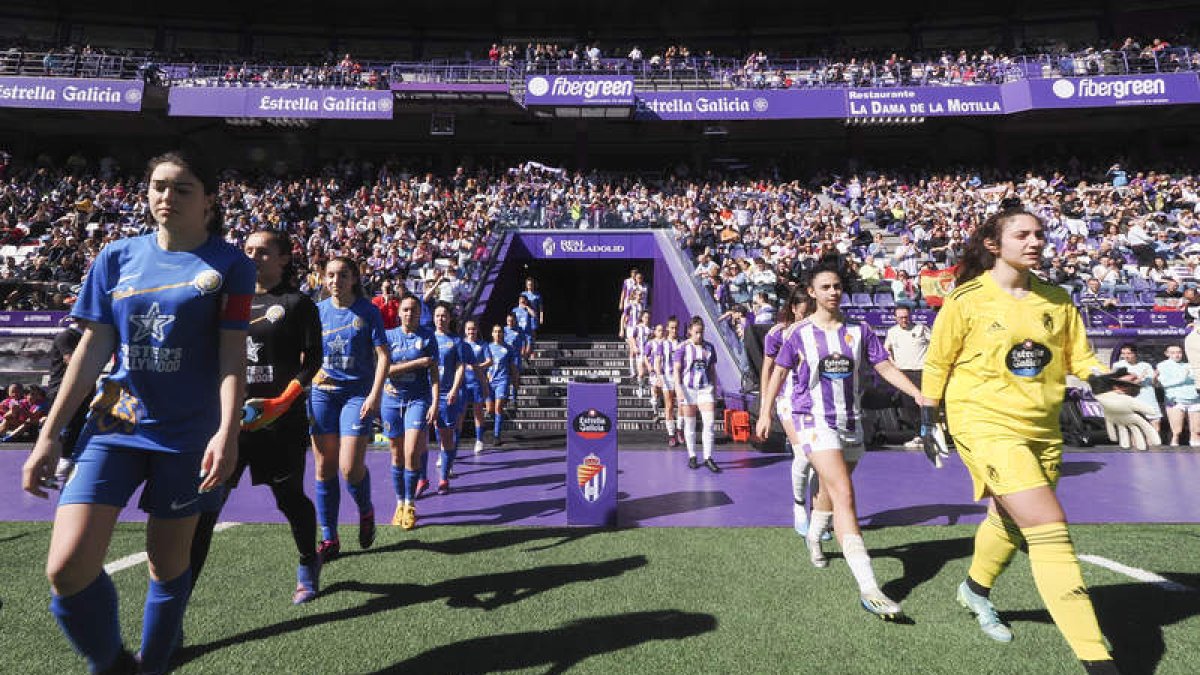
{"x":758,"y":68}
{"x":1118,"y":236}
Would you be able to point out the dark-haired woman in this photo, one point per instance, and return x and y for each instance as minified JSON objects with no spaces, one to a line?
{"x":826,"y":355}
{"x":1001,"y":348}
{"x":173,"y":306}
{"x":409,"y":405}
{"x":345,"y":400}
{"x":283,"y":353}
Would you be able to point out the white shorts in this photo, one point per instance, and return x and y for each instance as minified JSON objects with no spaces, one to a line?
{"x":689,"y":396}
{"x":656,"y":381}
{"x":1188,"y":407}
{"x":818,"y":437}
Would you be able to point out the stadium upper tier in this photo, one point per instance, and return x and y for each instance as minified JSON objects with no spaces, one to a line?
{"x":653,"y":71}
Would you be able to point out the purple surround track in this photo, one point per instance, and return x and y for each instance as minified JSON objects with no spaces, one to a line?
{"x":526,"y":488}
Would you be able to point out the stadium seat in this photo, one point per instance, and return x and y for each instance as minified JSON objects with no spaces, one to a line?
{"x":863,"y":300}
{"x":1128,"y":299}
{"x":1147,"y":298}
{"x":885,"y":300}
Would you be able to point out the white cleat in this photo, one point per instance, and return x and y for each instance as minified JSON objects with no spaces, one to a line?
{"x":478,"y":447}
{"x":880,"y":605}
{"x":816,"y":555}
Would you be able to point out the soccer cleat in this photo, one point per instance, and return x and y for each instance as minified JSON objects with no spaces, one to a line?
{"x":672,"y":441}
{"x":123,"y":664}
{"x":398,"y":515}
{"x":880,"y":605}
{"x":712,"y":465}
{"x":693,"y":463}
{"x":1106,"y":667}
{"x":328,"y":550}
{"x":422,"y":486}
{"x":498,"y":442}
{"x":307,"y":582}
{"x":679,"y":436}
{"x":800,"y":518}
{"x":408,"y":518}
{"x":366,"y":529}
{"x":985,"y":613}
{"x":816,"y":555}
{"x":443,"y":487}
{"x":478,"y":447}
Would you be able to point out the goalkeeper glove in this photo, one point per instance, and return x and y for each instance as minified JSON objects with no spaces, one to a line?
{"x":933,"y":436}
{"x":270,"y":409}
{"x":1124,"y":414}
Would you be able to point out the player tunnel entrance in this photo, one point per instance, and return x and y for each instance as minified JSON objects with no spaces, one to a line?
{"x":581,"y":296}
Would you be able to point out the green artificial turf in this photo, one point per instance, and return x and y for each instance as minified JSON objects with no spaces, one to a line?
{"x":456,"y":599}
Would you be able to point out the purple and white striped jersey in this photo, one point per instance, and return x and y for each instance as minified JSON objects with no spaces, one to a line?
{"x":641,"y":334}
{"x":631,"y":314}
{"x":825,"y":369}
{"x":650,"y":352}
{"x":692,"y":362}
{"x":771,"y":345}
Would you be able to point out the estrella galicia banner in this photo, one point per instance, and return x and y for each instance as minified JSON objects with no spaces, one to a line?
{"x":68,"y":93}
{"x":360,"y":104}
{"x":591,"y":454}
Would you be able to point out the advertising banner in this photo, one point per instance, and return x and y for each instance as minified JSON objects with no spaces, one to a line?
{"x":360,"y":104}
{"x":592,"y":454}
{"x":573,"y":244}
{"x":742,"y":105}
{"x":32,"y":319}
{"x":62,"y":93}
{"x":984,"y":99}
{"x":1115,"y":90}
{"x":583,"y":90}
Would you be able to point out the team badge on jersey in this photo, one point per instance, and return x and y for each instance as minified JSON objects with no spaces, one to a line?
{"x":357,"y":323}
{"x":207,"y":281}
{"x":1047,"y":322}
{"x":1028,"y":359}
{"x":836,"y":367}
{"x":275,"y":313}
{"x":592,"y":476}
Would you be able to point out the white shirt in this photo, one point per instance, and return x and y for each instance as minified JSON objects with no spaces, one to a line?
{"x":908,"y":347}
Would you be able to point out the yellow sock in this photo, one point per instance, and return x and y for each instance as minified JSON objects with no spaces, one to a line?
{"x":996,"y":542}
{"x":1060,"y":583}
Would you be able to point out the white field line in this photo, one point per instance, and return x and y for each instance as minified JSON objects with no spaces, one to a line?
{"x":1145,"y":576}
{"x":140,"y":557}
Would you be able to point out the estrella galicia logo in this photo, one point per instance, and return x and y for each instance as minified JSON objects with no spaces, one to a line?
{"x":592,"y":425}
{"x":592,"y":476}
{"x":548,"y":247}
{"x":836,"y":367}
{"x":1028,"y":358}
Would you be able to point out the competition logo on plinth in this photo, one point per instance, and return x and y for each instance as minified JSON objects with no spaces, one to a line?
{"x":592,"y":477}
{"x":592,"y":425}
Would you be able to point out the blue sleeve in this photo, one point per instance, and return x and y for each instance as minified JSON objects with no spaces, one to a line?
{"x":378,"y":332}
{"x":466,"y":355}
{"x":95,"y":301}
{"x":431,"y":348}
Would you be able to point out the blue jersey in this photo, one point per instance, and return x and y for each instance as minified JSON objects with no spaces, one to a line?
{"x":516,"y":338}
{"x":479,"y":354}
{"x":405,"y":346}
{"x":165,"y":307}
{"x":453,"y":352}
{"x":535,"y":300}
{"x":502,"y":357}
{"x":526,"y":319}
{"x":348,"y":340}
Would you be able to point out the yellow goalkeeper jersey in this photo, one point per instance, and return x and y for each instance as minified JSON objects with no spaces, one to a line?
{"x":996,"y":361}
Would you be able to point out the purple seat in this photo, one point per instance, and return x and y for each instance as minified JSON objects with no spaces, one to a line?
{"x":863,"y":300}
{"x":1128,"y":299}
{"x":884,"y":300}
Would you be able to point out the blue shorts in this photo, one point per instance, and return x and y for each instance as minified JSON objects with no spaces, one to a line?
{"x":499,"y":389}
{"x":448,"y":414}
{"x":402,"y":416}
{"x":337,"y":412}
{"x":471,"y":393}
{"x":105,"y":475}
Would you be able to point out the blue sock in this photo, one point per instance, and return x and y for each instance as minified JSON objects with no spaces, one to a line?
{"x":410,"y":484}
{"x":361,"y":492}
{"x":329,"y":502}
{"x":398,"y":481}
{"x":162,"y":620}
{"x":89,"y":620}
{"x":448,"y":457}
{"x":423,"y":470}
{"x":496,"y":424}
{"x":479,"y":432}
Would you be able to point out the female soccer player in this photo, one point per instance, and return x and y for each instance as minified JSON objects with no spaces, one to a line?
{"x":1002,"y":345}
{"x":283,"y":355}
{"x":345,"y":400}
{"x":789,"y":315}
{"x":638,"y":336}
{"x":408,"y":405}
{"x":173,"y":306}
{"x":670,"y":399}
{"x":1183,"y":402}
{"x":651,"y":357}
{"x":453,"y":360}
{"x":535,"y":300}
{"x":476,"y":392}
{"x":826,"y":354}
{"x":692,"y":375}
{"x":634,"y":306}
{"x":502,"y":362}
